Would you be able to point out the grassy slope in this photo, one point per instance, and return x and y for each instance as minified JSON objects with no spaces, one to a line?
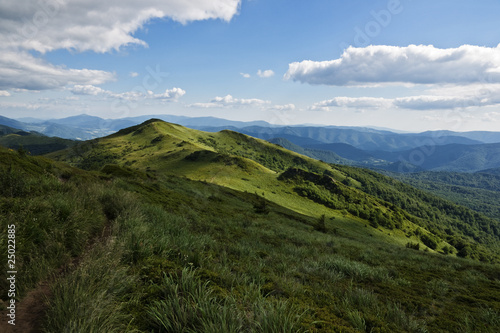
{"x":174,"y":152}
{"x":178,"y":248}
{"x":246,"y":164}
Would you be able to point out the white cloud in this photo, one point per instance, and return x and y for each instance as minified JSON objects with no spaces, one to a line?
{"x":285,"y":107}
{"x":19,"y":105}
{"x":352,"y":102}
{"x":135,"y":95}
{"x":96,"y":25}
{"x":265,"y":74}
{"x":134,"y":74}
{"x":453,"y":97}
{"x":491,"y":117}
{"x":4,"y":93}
{"x":245,"y":75}
{"x":88,"y":89}
{"x":22,"y":70}
{"x":173,"y":93}
{"x":474,"y":98}
{"x":229,"y":101}
{"x":415,"y":64}
{"x":434,"y":102}
{"x":83,"y":25}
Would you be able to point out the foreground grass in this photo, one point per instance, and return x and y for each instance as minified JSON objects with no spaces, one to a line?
{"x":187,"y":256}
{"x":190,"y":270}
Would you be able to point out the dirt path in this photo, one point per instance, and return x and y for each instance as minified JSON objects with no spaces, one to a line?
{"x":30,"y":311}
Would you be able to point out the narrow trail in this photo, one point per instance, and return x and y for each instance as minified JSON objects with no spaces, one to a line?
{"x":31,"y":309}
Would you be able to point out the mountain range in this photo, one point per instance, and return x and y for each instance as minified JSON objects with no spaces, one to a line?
{"x":366,"y":147}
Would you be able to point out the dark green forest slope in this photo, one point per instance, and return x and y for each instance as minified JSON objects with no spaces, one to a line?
{"x":33,"y":142}
{"x":477,"y":191}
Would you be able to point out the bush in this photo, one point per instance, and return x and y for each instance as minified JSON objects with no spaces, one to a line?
{"x":320,"y":226}
{"x":415,"y":246}
{"x":260,"y":207}
{"x":429,"y":241}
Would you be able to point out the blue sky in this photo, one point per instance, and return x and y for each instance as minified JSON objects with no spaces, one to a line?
{"x":403,"y":64}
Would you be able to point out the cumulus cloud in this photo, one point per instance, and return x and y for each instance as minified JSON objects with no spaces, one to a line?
{"x":4,"y":93}
{"x":245,"y":75}
{"x":96,"y":25}
{"x":265,"y":74}
{"x":134,"y":74}
{"x":83,"y":25}
{"x":22,"y":70}
{"x":414,"y":64}
{"x":88,"y":89}
{"x":173,"y":93}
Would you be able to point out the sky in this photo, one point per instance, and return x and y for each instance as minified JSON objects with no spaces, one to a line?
{"x":401,"y":64}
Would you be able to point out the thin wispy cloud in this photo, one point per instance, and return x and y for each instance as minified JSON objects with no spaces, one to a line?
{"x":90,"y":90}
{"x":230,"y":101}
{"x":436,"y":99}
{"x":24,"y":71}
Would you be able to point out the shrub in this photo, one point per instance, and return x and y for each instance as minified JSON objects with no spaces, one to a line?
{"x":320,"y":226}
{"x":415,"y":246}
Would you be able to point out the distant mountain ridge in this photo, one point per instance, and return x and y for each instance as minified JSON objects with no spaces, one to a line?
{"x":35,"y":143}
{"x":362,"y":146}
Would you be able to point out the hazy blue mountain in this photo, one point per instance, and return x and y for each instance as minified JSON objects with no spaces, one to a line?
{"x":495,"y":171}
{"x":371,"y":140}
{"x":94,"y":123}
{"x":325,"y":156}
{"x":5,"y":130}
{"x":199,"y":122}
{"x":11,"y":123}
{"x":31,"y":120}
{"x":35,"y":143}
{"x":482,"y":136}
{"x":454,"y":157}
{"x":344,"y":150}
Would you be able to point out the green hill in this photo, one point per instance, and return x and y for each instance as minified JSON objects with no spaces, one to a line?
{"x":170,"y":229}
{"x":244,"y":163}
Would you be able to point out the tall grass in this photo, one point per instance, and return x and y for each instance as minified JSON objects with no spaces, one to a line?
{"x":188,"y":305}
{"x":94,"y":297}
